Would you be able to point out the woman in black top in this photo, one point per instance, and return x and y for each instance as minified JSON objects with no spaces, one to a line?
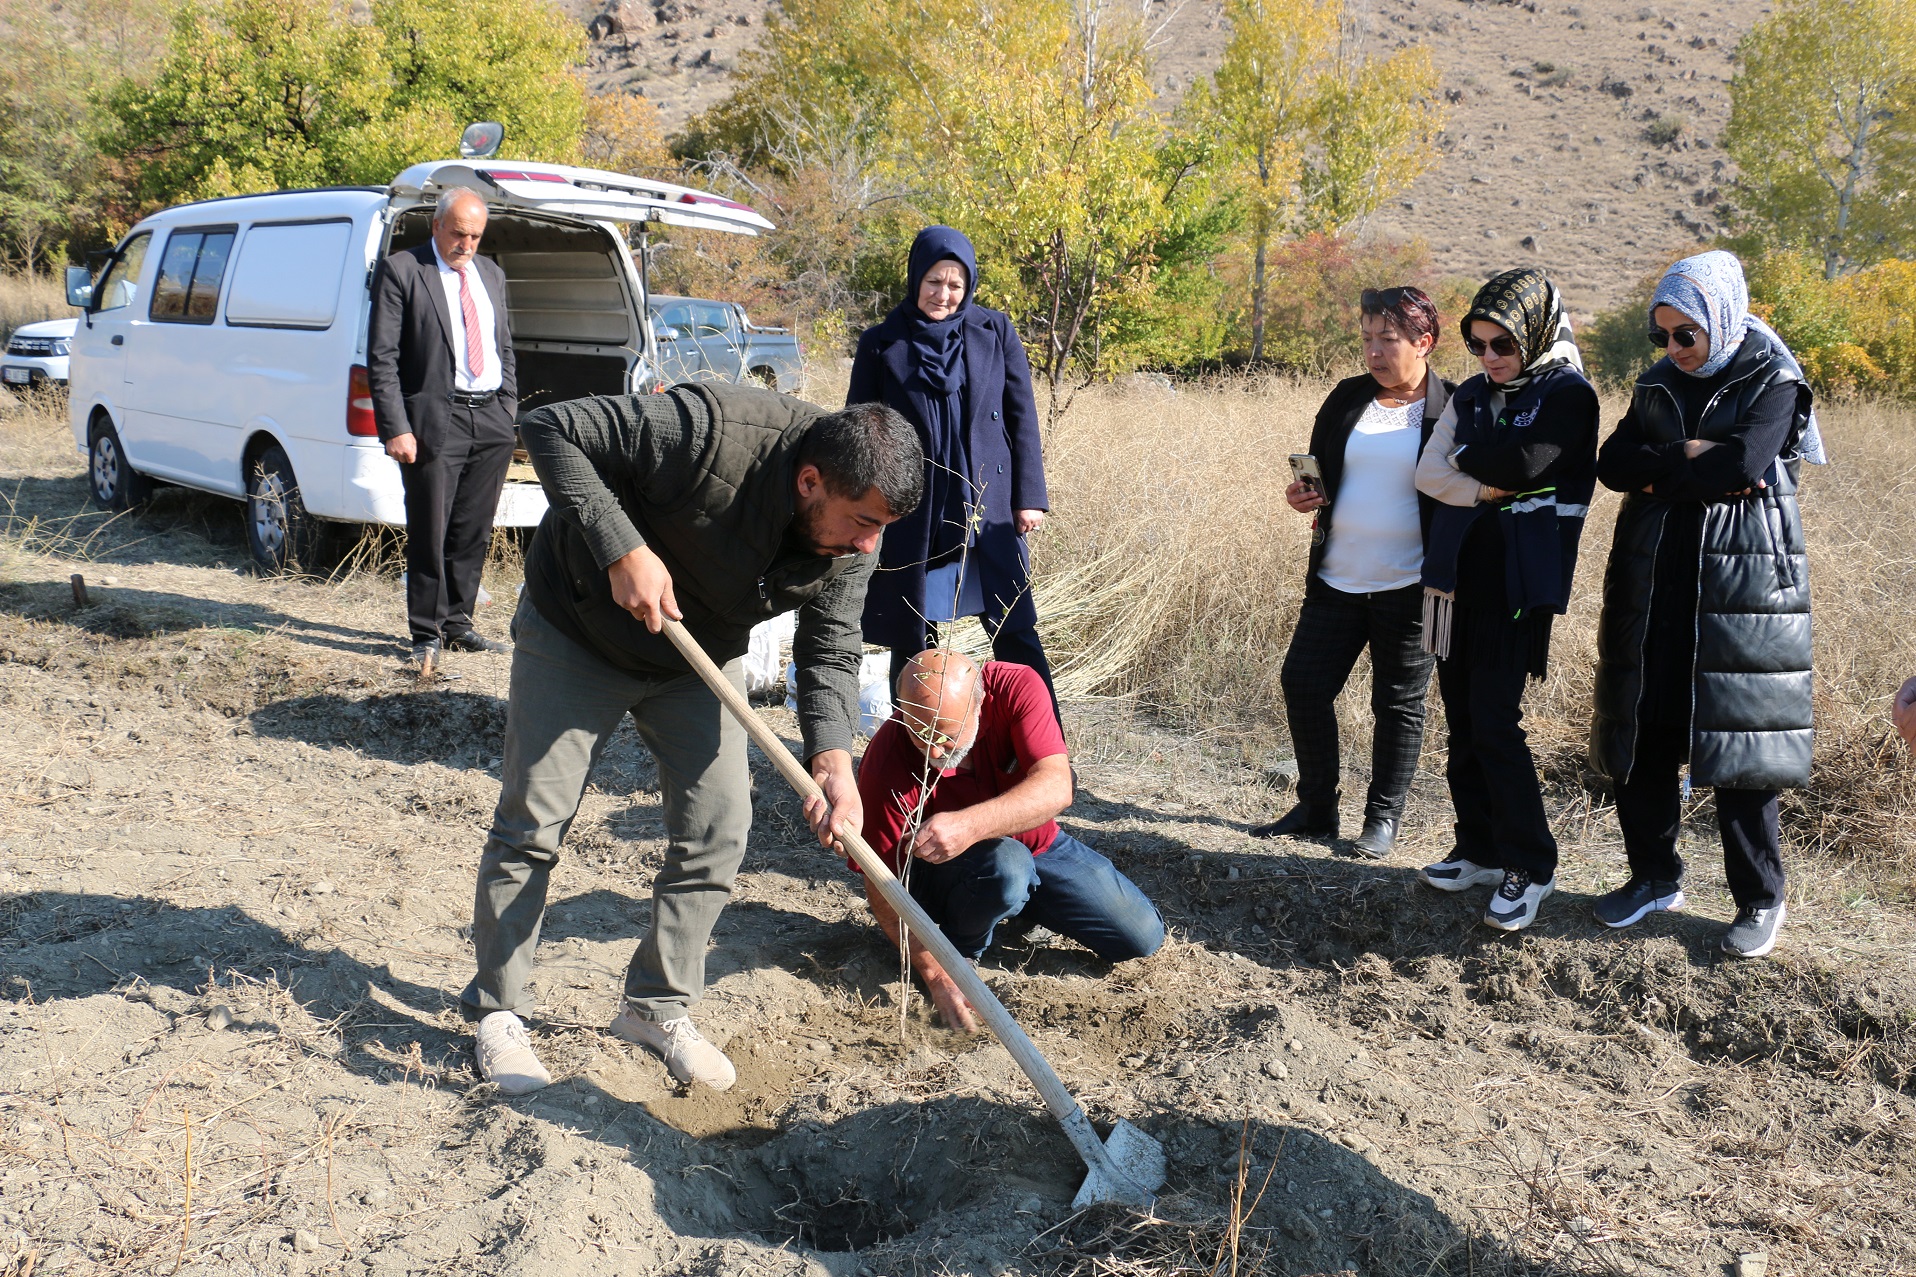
{"x":1512,"y":464}
{"x":1361,"y":587}
{"x":1704,"y":647}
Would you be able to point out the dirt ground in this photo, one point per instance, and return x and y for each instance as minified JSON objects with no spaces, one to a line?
{"x":235,"y":873}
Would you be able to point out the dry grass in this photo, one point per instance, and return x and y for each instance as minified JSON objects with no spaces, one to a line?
{"x":27,"y":299}
{"x":1172,"y":568}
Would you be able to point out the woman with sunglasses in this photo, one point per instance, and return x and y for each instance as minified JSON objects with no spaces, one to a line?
{"x":1360,"y":588}
{"x":1703,"y":652}
{"x":1512,"y":464}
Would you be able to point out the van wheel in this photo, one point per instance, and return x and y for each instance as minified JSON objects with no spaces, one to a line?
{"x":765,"y":377}
{"x":279,"y":532}
{"x":114,"y":483}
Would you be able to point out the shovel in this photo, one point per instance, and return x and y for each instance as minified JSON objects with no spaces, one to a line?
{"x":1125,"y":1168}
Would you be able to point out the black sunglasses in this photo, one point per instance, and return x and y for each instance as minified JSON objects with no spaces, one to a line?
{"x":1506,"y":346}
{"x":1375,"y":301}
{"x":1685,"y":335}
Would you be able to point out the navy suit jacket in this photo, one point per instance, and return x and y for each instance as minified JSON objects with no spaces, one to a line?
{"x":1007,"y":467}
{"x":409,"y":358}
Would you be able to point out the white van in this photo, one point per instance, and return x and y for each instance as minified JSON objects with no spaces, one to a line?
{"x":223,"y":345}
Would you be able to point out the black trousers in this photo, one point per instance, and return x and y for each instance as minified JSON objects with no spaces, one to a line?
{"x":451,"y":497}
{"x":1494,"y":787}
{"x":1649,"y":808}
{"x":1333,"y":629}
{"x":1021,"y":647}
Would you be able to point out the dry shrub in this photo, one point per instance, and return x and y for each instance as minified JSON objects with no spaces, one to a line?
{"x":1173,"y":503}
{"x":1172,"y":571}
{"x":28,"y":299}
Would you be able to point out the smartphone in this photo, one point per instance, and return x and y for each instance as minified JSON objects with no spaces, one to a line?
{"x":1305,"y":470}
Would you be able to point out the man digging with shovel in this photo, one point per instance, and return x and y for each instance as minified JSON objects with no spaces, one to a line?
{"x":986,"y":847}
{"x":720,"y":506}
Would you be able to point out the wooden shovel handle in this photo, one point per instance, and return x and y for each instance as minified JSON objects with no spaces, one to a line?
{"x":1063,"y":1107}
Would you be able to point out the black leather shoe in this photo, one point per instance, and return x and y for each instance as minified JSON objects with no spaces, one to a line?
{"x":474,"y":641}
{"x":1378,"y":838}
{"x":1299,"y":822}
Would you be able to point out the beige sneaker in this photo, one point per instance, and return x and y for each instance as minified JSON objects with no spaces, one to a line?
{"x":690,"y":1057}
{"x":506,"y":1058}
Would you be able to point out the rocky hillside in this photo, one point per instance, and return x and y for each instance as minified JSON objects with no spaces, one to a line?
{"x":1582,"y":136}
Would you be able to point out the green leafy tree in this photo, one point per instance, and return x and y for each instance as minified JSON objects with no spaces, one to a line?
{"x":507,"y":60}
{"x":1316,"y":134}
{"x":1823,"y":129}
{"x":1029,"y":126}
{"x":55,"y":188}
{"x":257,"y":95}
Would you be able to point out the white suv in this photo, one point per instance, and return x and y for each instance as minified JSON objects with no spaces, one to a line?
{"x":37,"y":354}
{"x":223,"y":346}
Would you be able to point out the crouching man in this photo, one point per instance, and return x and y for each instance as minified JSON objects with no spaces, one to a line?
{"x":988,"y":849}
{"x":720,"y":506}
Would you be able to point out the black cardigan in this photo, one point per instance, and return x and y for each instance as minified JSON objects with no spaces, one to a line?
{"x":1332,"y":431}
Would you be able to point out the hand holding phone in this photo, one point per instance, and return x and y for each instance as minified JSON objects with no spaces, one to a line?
{"x":1306,"y":492}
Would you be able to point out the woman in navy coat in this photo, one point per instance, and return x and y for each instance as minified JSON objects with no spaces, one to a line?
{"x":959,"y":374}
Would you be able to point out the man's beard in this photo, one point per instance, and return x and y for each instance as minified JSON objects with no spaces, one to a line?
{"x":805,"y":525}
{"x":956,"y":759}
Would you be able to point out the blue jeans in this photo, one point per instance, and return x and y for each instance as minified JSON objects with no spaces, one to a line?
{"x":1070,"y":888}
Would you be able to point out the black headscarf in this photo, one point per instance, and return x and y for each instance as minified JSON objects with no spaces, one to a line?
{"x":937,"y":350}
{"x":937,"y":346}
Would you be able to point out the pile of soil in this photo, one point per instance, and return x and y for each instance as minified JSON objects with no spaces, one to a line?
{"x":236,"y":868}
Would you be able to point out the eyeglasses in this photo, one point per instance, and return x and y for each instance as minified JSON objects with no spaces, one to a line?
{"x":1684,"y":335}
{"x":929,"y":738}
{"x":1505,"y":346}
{"x":1375,"y":301}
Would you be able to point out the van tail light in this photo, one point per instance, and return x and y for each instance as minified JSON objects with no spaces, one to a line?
{"x":359,"y":405}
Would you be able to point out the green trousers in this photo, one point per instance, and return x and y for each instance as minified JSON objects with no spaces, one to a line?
{"x":565,"y":704}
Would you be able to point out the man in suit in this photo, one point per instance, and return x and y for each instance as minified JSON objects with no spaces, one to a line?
{"x":439,"y":360}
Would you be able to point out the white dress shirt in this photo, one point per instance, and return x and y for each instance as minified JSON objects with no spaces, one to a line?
{"x":1377,"y":540}
{"x":488,"y":331}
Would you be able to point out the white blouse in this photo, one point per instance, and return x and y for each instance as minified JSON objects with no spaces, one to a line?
{"x":1376,"y":541}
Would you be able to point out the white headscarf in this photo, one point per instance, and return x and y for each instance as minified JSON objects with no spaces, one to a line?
{"x":1710,"y":289}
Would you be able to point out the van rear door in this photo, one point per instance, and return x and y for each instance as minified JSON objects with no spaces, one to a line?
{"x":592,"y":194}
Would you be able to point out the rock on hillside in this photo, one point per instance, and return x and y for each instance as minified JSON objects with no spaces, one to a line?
{"x":1582,"y":136}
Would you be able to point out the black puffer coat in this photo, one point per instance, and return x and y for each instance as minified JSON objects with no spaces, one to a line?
{"x":1750,"y":721}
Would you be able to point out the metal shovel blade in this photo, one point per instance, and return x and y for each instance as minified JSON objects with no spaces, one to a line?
{"x":1136,"y":1170}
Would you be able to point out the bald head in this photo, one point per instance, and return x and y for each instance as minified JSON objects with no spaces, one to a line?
{"x":938,"y":697}
{"x":458,"y":224}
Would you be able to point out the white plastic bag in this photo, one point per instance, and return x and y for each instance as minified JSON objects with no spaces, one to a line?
{"x":874,"y":690}
{"x":766,"y":656}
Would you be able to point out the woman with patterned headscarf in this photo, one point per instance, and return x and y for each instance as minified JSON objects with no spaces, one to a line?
{"x":1512,"y":464}
{"x":1703,"y":652}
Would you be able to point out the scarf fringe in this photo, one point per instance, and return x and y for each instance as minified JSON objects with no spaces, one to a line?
{"x":1440,"y":613}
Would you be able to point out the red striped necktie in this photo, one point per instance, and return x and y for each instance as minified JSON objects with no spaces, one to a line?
{"x":475,"y":346}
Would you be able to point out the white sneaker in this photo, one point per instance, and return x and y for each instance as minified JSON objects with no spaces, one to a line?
{"x":690,"y":1057}
{"x":506,"y":1058}
{"x":1459,"y":874}
{"x":1513,"y":906}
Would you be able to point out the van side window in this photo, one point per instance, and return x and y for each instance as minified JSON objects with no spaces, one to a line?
{"x":121,"y":283}
{"x":710,"y":321}
{"x":188,"y":288}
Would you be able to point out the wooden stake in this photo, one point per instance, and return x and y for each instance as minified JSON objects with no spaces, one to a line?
{"x":79,"y":588}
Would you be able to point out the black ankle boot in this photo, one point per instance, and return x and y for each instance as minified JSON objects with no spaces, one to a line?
{"x":1378,"y":838}
{"x":1299,"y":822}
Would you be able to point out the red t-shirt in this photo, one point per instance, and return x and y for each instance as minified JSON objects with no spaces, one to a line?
{"x":1016,"y":727}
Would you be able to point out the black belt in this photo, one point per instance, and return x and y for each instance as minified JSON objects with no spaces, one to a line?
{"x":472,"y":398}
